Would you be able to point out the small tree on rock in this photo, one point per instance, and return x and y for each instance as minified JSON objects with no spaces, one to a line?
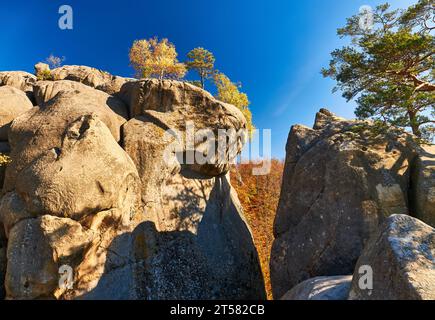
{"x":228,"y":92}
{"x":156,"y":59}
{"x":54,"y":61}
{"x":202,"y":61}
{"x":389,"y":66}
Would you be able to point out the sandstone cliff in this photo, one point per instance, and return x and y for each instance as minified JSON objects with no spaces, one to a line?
{"x":342,"y":180}
{"x":91,"y":186}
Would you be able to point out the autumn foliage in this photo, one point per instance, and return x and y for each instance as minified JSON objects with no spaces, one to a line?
{"x":259,"y":196}
{"x":156,"y":58}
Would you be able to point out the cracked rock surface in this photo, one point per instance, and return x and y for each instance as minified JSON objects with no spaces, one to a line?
{"x":340,"y":183}
{"x":88,"y":189}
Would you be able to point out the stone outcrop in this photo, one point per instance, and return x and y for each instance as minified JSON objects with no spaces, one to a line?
{"x":200,"y":247}
{"x":186,"y":207}
{"x":340,"y":183}
{"x":41,"y":68}
{"x":13,"y":102}
{"x":423,"y":185}
{"x":43,"y":127}
{"x":184,"y":108}
{"x":97,"y":185}
{"x":44,"y":91}
{"x":402,"y":257}
{"x":58,"y":201}
{"x":321,"y":288}
{"x":18,"y":79}
{"x":92,"y":77}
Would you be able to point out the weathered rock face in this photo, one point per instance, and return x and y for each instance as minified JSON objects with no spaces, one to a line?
{"x":340,"y":183}
{"x":129,"y":224}
{"x":402,"y":257}
{"x":42,"y":128}
{"x":321,"y":288}
{"x":92,"y":77}
{"x":62,"y":203}
{"x":41,"y":68}
{"x":18,"y":79}
{"x":195,"y":223}
{"x":147,"y":145}
{"x":200,"y":247}
{"x":44,"y":91}
{"x":13,"y":102}
{"x":423,"y":185}
{"x":37,"y":248}
{"x":186,"y":108}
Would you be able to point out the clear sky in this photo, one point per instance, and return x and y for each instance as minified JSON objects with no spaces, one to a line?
{"x":275,"y":48}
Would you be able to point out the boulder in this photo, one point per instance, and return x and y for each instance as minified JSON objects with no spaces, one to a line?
{"x":107,"y":270}
{"x":191,"y":113}
{"x":89,"y":76}
{"x":321,"y":288}
{"x":13,"y":102}
{"x":72,"y":201}
{"x":423,"y":185}
{"x":87,"y":173}
{"x":18,"y":79}
{"x":12,"y":210}
{"x":44,"y":91}
{"x":113,"y":87}
{"x":340,"y":182}
{"x":401,"y":256}
{"x":92,"y":77}
{"x":37,"y":248}
{"x":42,"y":70}
{"x":42,"y":128}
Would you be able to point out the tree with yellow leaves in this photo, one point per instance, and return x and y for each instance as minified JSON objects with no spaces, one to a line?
{"x":228,"y":92}
{"x":156,"y":59}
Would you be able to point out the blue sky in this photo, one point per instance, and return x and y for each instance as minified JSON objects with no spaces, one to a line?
{"x":275,"y":48}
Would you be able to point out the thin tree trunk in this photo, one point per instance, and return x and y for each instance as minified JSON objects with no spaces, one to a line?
{"x":202,"y":80}
{"x":413,"y":122}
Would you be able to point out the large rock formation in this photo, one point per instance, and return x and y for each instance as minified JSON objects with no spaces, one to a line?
{"x":59,"y":197}
{"x":185,"y":109}
{"x":18,"y":79}
{"x":92,"y":77}
{"x":423,"y":186}
{"x":13,"y":102}
{"x":186,"y":206}
{"x":401,"y":256}
{"x":97,"y":187}
{"x":340,"y":183}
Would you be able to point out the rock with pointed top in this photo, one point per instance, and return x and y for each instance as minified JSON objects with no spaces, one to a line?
{"x":401,"y":257}
{"x":340,"y":182}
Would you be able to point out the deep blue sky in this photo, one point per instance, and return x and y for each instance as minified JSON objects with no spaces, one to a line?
{"x":274,"y":48}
